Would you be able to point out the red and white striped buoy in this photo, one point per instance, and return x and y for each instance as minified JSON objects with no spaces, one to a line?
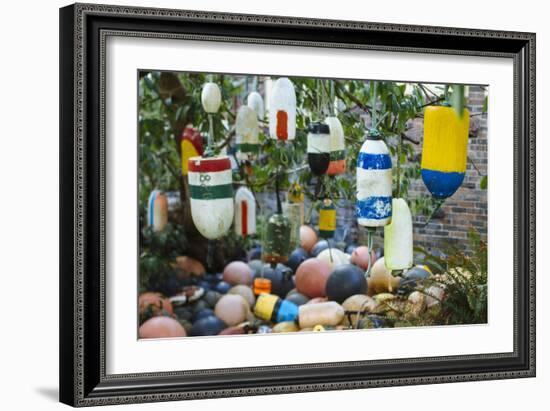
{"x":211,"y":194}
{"x":282,"y":110}
{"x":245,"y":212}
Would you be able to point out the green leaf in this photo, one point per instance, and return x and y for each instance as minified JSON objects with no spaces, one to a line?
{"x":483,"y":183}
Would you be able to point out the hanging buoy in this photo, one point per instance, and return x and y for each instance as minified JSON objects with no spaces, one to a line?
{"x":318,"y":148}
{"x":246,"y":129}
{"x":293,"y":209}
{"x":327,"y":219}
{"x":337,"y":147}
{"x":295,"y":214}
{"x":444,"y":150}
{"x":211,"y":193}
{"x":374,"y":182}
{"x":211,"y":97}
{"x":245,"y":212}
{"x":191,"y":146}
{"x":276,"y":246}
{"x":157,"y":210}
{"x":282,"y":110}
{"x":256,"y":103}
{"x":398,"y":237}
{"x":296,"y":196}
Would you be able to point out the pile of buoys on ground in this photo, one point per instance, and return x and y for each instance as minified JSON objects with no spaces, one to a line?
{"x":317,"y":289}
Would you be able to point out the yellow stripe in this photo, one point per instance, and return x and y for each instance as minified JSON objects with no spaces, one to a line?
{"x":264,"y":306}
{"x":188,"y":150}
{"x":445,"y":139}
{"x":327,"y":220}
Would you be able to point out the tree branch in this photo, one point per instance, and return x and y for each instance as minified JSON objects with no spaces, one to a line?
{"x":350,"y":96}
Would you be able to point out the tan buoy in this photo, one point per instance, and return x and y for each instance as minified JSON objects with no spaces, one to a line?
{"x":337,"y":147}
{"x":398,"y":237}
{"x":327,"y":313}
{"x":247,"y":131}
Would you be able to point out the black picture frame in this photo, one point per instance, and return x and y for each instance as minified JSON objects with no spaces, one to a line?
{"x":83,"y":29}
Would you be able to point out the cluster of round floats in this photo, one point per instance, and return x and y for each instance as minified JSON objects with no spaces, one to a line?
{"x":317,"y":289}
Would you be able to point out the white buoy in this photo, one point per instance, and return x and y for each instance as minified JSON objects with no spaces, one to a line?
{"x":245,"y":212}
{"x":398,"y":237}
{"x":295,"y":214}
{"x":211,"y":97}
{"x":337,"y":147}
{"x":282,"y":110}
{"x":246,"y":129}
{"x":256,"y":103}
{"x":374,"y":184}
{"x":318,"y":147}
{"x":211,"y":194}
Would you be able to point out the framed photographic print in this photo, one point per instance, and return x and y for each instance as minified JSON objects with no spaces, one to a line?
{"x":261,"y":204}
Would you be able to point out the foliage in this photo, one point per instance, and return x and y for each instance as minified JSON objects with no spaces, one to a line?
{"x":464,"y":279}
{"x":158,"y":251}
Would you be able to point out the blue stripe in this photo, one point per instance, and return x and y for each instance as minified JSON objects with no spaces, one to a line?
{"x":151,"y":205}
{"x":440,"y":183}
{"x":369,"y":161}
{"x":375,"y":207}
{"x":288,"y":311}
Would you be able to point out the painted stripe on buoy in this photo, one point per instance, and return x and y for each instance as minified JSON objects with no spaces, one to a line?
{"x":440,"y":183}
{"x":369,"y":161}
{"x":248,"y":148}
{"x":200,"y":165}
{"x":210,"y":178}
{"x":374,"y":208}
{"x":244,"y":217}
{"x":211,"y":192}
{"x":151,"y":207}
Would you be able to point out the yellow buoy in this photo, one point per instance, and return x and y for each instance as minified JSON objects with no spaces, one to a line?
{"x":444,"y":150}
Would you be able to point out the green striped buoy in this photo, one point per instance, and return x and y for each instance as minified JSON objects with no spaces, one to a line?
{"x":211,"y":194}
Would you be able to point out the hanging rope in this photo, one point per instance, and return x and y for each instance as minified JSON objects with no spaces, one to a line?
{"x":279,"y":204}
{"x":370,"y":241}
{"x":438,"y":204}
{"x":333,"y":99}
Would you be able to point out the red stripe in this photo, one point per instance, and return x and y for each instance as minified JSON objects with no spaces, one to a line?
{"x":205,"y":165}
{"x":282,"y":125}
{"x":244,"y":217}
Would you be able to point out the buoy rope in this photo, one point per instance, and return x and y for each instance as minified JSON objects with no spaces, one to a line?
{"x":209,"y":152}
{"x":279,"y":204}
{"x":370,"y":240}
{"x":438,"y":204}
{"x":333,"y":99}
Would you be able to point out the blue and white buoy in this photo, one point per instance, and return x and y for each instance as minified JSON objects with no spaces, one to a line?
{"x":374,"y":183}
